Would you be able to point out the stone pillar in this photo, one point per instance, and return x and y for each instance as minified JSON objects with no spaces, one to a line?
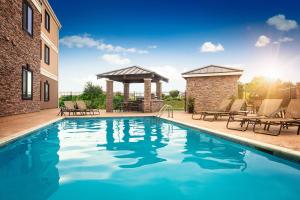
{"x":126,"y":92}
{"x":147,"y":95}
{"x":109,"y":95}
{"x":298,"y":90}
{"x":158,"y":90}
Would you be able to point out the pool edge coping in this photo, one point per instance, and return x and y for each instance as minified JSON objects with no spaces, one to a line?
{"x":279,"y":151}
{"x":11,"y":138}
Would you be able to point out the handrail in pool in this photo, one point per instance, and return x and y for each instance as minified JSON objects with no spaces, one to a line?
{"x":168,"y":108}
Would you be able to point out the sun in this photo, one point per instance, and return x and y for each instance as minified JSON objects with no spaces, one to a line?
{"x":272,"y":72}
{"x":271,"y":67}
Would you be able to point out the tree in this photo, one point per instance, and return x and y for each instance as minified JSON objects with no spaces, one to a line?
{"x":92,"y":91}
{"x":93,"y":95}
{"x":262,"y":88}
{"x":174,"y":93}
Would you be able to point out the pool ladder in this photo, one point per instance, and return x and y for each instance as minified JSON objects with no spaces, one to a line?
{"x":168,"y":108}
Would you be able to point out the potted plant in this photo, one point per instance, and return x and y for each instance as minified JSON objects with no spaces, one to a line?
{"x":190,"y":105}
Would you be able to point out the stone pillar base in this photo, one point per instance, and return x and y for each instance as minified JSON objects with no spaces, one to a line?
{"x":158,"y":90}
{"x":147,"y":95}
{"x":126,"y":92}
{"x":109,"y":95}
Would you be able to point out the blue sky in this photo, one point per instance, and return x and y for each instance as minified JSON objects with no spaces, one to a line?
{"x":171,"y":37}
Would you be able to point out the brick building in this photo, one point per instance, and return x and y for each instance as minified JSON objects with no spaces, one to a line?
{"x":210,"y":85}
{"x":28,"y":56}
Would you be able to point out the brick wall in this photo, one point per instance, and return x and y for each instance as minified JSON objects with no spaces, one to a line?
{"x":210,"y":91}
{"x":17,"y":49}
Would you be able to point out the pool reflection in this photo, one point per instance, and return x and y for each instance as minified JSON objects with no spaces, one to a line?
{"x":211,"y":153}
{"x":142,"y":138}
{"x":28,"y":167}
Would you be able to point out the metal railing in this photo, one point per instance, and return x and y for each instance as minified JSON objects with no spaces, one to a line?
{"x":168,"y":108}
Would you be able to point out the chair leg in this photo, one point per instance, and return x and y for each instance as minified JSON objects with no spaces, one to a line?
{"x":267,"y":131}
{"x":216,"y":117}
{"x":231,"y":119}
{"x":193,"y":116}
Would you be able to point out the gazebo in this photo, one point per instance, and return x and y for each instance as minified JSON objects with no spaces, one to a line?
{"x":135,"y":74}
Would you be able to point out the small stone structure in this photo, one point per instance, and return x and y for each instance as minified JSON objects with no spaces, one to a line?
{"x":298,"y":90}
{"x":210,"y":85}
{"x":135,"y":74}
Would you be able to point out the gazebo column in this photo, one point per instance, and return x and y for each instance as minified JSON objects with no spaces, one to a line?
{"x":126,"y":92}
{"x":109,"y":95}
{"x":147,"y":94}
{"x":158,"y":90}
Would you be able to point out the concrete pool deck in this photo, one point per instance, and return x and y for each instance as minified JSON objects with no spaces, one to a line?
{"x":13,"y":127}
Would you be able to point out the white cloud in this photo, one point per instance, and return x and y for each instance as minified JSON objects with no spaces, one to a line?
{"x":210,"y":47}
{"x":284,"y":39}
{"x":78,"y":41}
{"x":281,"y":23}
{"x":262,"y":41}
{"x":152,"y":46}
{"x":87,"y":41}
{"x":115,"y":59}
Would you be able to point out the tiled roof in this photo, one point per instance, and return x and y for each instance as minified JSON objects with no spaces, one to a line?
{"x":127,"y":71}
{"x":212,"y":70}
{"x":133,"y":70}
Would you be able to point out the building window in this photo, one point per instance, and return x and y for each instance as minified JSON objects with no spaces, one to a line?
{"x":47,"y":21}
{"x":27,"y":18}
{"x":26,"y":83}
{"x":47,"y":55}
{"x":46,"y":91}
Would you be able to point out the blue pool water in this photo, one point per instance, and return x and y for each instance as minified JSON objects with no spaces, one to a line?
{"x":139,"y":159}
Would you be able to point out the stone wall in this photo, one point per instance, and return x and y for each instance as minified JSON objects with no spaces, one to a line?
{"x":53,"y":89}
{"x":126,"y":91}
{"x":17,"y":49}
{"x":147,"y":95}
{"x":109,"y":95}
{"x":209,"y":91}
{"x":156,"y":105}
{"x":298,"y":90}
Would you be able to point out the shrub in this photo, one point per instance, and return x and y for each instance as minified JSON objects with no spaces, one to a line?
{"x":190,"y":105}
{"x":174,"y":93}
{"x":167,"y":98}
{"x":67,"y":98}
{"x":92,"y":95}
{"x":118,"y":99}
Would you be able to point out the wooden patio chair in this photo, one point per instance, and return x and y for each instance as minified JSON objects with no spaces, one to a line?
{"x":223,"y":107}
{"x":268,"y":109}
{"x":291,"y":118}
{"x":235,"y":109}
{"x":84,"y":109}
{"x":69,"y":106}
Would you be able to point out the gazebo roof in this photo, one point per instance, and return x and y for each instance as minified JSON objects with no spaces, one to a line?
{"x":134,"y":74}
{"x":212,"y":70}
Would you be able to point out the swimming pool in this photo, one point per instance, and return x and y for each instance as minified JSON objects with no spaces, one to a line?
{"x":139,"y":158}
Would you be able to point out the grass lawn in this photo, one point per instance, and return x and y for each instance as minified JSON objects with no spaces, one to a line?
{"x":177,"y":104}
